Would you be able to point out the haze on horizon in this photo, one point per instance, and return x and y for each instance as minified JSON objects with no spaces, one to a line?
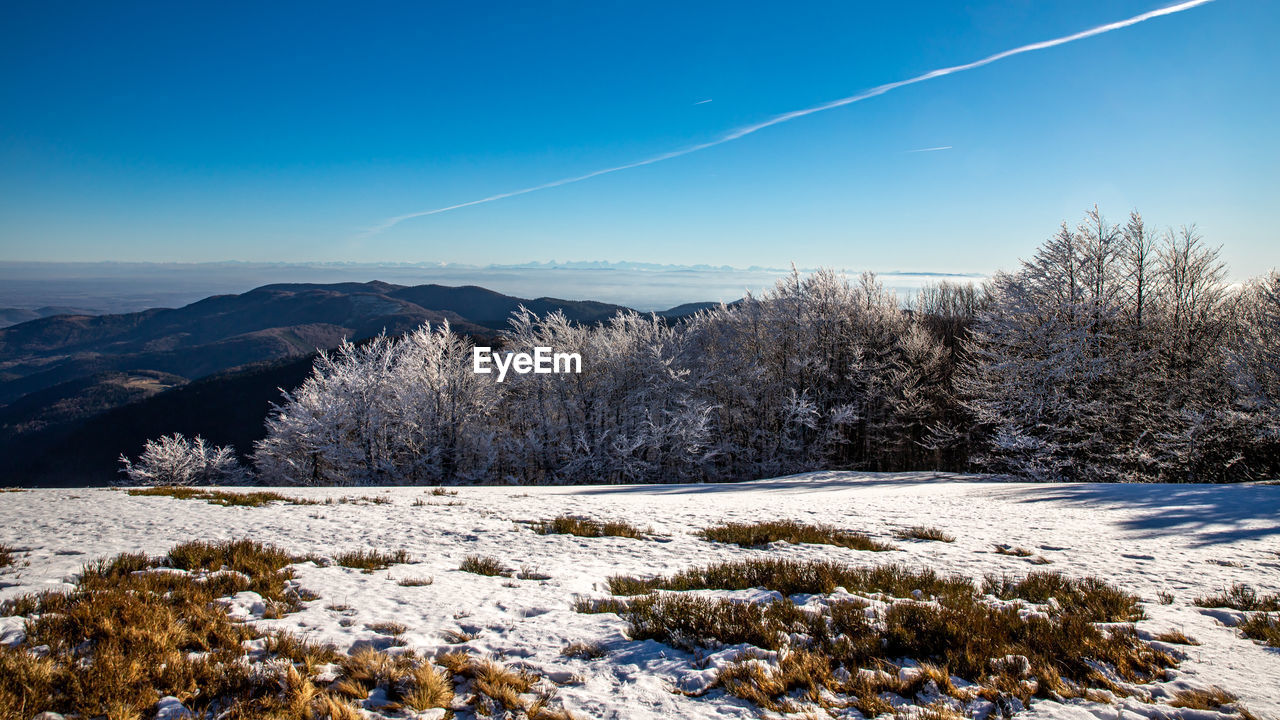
{"x":283,"y":133}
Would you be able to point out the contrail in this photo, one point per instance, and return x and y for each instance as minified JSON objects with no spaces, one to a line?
{"x":789,"y":116}
{"x":932,"y":149}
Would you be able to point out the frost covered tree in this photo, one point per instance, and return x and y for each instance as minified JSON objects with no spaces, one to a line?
{"x":1048,"y":360}
{"x":1115,"y":353}
{"x":631,"y":415}
{"x":1256,"y":358}
{"x":1104,"y":357}
{"x":405,"y":410}
{"x":820,"y":371}
{"x":1254,"y":364}
{"x":175,"y":460}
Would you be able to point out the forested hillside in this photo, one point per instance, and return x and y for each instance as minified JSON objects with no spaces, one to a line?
{"x":1114,"y":353}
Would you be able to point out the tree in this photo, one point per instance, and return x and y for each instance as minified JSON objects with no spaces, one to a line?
{"x":1049,"y":363}
{"x":174,"y":460}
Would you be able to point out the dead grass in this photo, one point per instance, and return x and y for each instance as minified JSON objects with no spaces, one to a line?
{"x":757,"y":534}
{"x":388,"y":628}
{"x":1214,"y":698}
{"x":596,"y":606}
{"x":441,"y":492}
{"x":1262,"y":627}
{"x":481,"y":565}
{"x":299,"y":650}
{"x":429,"y":688}
{"x":1090,"y":597}
{"x":1175,"y":637}
{"x":7,"y":555}
{"x":921,"y":532}
{"x":1241,"y":597}
{"x":127,"y":634}
{"x":356,"y":500}
{"x":586,"y":527}
{"x":1013,"y":551}
{"x":220,"y":497}
{"x":458,"y":637}
{"x":132,"y":630}
{"x":531,"y":572}
{"x":584,"y":650}
{"x":371,"y":560}
{"x":932,"y":711}
{"x":822,"y":649}
{"x":502,"y":691}
{"x":790,"y":577}
{"x":415,"y":581}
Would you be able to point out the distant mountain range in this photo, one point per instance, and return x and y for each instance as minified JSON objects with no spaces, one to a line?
{"x":96,"y":288}
{"x":13,"y":316}
{"x":77,"y":389}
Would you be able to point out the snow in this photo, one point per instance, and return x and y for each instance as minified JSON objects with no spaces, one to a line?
{"x":1189,"y":540}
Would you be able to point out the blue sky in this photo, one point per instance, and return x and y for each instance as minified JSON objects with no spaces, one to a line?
{"x":283,"y":132}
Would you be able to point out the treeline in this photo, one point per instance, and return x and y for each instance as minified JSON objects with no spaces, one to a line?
{"x":1116,"y":353}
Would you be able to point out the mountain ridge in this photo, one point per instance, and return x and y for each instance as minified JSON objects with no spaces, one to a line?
{"x":78,"y":389}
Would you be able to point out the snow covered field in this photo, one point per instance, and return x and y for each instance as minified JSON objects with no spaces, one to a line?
{"x":1189,"y":540}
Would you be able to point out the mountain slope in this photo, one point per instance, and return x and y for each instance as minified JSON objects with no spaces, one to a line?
{"x":270,"y":322}
{"x":78,"y":390}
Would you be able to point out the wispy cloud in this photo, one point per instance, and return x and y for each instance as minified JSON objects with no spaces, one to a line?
{"x":932,"y":149}
{"x":796,"y":114}
{"x":703,"y":102}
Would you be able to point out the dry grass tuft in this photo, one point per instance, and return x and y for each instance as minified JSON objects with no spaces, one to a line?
{"x":7,"y":555}
{"x":1089,"y":597}
{"x":429,"y":688}
{"x":481,"y":565}
{"x":326,"y":707}
{"x":586,"y":527}
{"x":595,"y":606}
{"x":1012,"y":551}
{"x":1215,"y":699}
{"x":388,"y":628}
{"x":300,"y":651}
{"x":458,"y":637}
{"x":415,"y":581}
{"x":441,"y":492}
{"x":221,"y":497}
{"x":1262,"y":627}
{"x":455,"y":662}
{"x":823,"y":652}
{"x":126,"y":635}
{"x":371,"y":560}
{"x":501,"y":691}
{"x":1241,"y":597}
{"x":584,"y":650}
{"x":134,"y":629}
{"x":932,"y":711}
{"x":531,"y":572}
{"x":921,"y":532}
{"x":790,"y":577}
{"x":749,"y":535}
{"x":1175,"y":637}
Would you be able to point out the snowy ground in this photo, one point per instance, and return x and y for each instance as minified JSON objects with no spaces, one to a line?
{"x":1187,"y":540}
